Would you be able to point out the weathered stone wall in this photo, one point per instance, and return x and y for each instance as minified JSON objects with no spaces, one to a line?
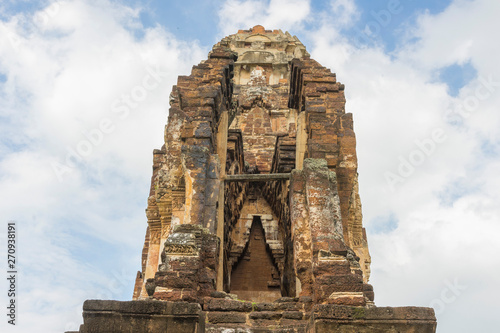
{"x":261,"y":79}
{"x":327,"y":269}
{"x":189,"y":265}
{"x":258,"y":137}
{"x":262,"y":114}
{"x":285,"y":314}
{"x":315,"y":92}
{"x":271,"y":50}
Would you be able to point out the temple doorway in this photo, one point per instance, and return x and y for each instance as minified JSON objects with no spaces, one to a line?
{"x":255,"y":277}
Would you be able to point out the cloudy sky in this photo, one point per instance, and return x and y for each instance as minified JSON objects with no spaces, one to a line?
{"x":421,"y":79}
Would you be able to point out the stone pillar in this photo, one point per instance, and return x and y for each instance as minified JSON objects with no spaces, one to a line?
{"x":178,"y":205}
{"x":326,"y":268}
{"x":153,"y":249}
{"x":153,"y":255}
{"x":188,"y":268}
{"x":195,"y":161}
{"x":357,"y":234}
{"x":165,"y":210}
{"x":222,"y":152}
{"x":301,"y":235}
{"x":212,"y":190}
{"x":301,"y":140}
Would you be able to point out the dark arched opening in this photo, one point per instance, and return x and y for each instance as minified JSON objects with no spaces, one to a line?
{"x":255,"y":277}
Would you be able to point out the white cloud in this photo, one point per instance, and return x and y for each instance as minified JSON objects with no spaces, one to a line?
{"x":456,"y":35}
{"x":344,"y":12}
{"x":272,"y":14}
{"x":68,"y":67}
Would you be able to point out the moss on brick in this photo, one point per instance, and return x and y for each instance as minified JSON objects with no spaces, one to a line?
{"x":359,"y":313}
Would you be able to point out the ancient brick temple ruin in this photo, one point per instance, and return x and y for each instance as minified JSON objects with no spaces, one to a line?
{"x":254,"y":215}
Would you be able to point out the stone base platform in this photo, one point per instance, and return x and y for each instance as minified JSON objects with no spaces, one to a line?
{"x":141,"y":317}
{"x":221,"y":315}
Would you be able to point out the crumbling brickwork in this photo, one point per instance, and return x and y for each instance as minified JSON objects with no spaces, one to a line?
{"x":327,"y":133}
{"x":254,"y":211}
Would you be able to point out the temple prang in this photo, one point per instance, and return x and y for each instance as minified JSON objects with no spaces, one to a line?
{"x":254,"y":219}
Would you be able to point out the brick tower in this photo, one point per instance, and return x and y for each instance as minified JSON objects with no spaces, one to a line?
{"x":254,"y":215}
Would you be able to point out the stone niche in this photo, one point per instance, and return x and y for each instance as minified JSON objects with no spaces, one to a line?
{"x":254,"y":218}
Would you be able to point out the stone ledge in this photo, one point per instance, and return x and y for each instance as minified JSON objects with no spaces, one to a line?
{"x":234,"y":328}
{"x":221,"y":304}
{"x":148,"y":307}
{"x":340,"y":318}
{"x":146,"y":316}
{"x":327,"y":311}
{"x":226,"y":317}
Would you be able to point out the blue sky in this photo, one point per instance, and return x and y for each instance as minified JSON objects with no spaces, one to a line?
{"x":422,"y":85}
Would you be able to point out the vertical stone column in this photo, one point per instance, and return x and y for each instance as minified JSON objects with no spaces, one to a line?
{"x":326,"y":268}
{"x":153,"y":255}
{"x":178,"y":205}
{"x":195,"y":162}
{"x":301,"y":235}
{"x":165,"y":210}
{"x":357,"y":233}
{"x":301,"y":140}
{"x":324,"y":208}
{"x":222,"y":152}
{"x":153,"y":248}
{"x":212,"y":188}
{"x":188,"y":268}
